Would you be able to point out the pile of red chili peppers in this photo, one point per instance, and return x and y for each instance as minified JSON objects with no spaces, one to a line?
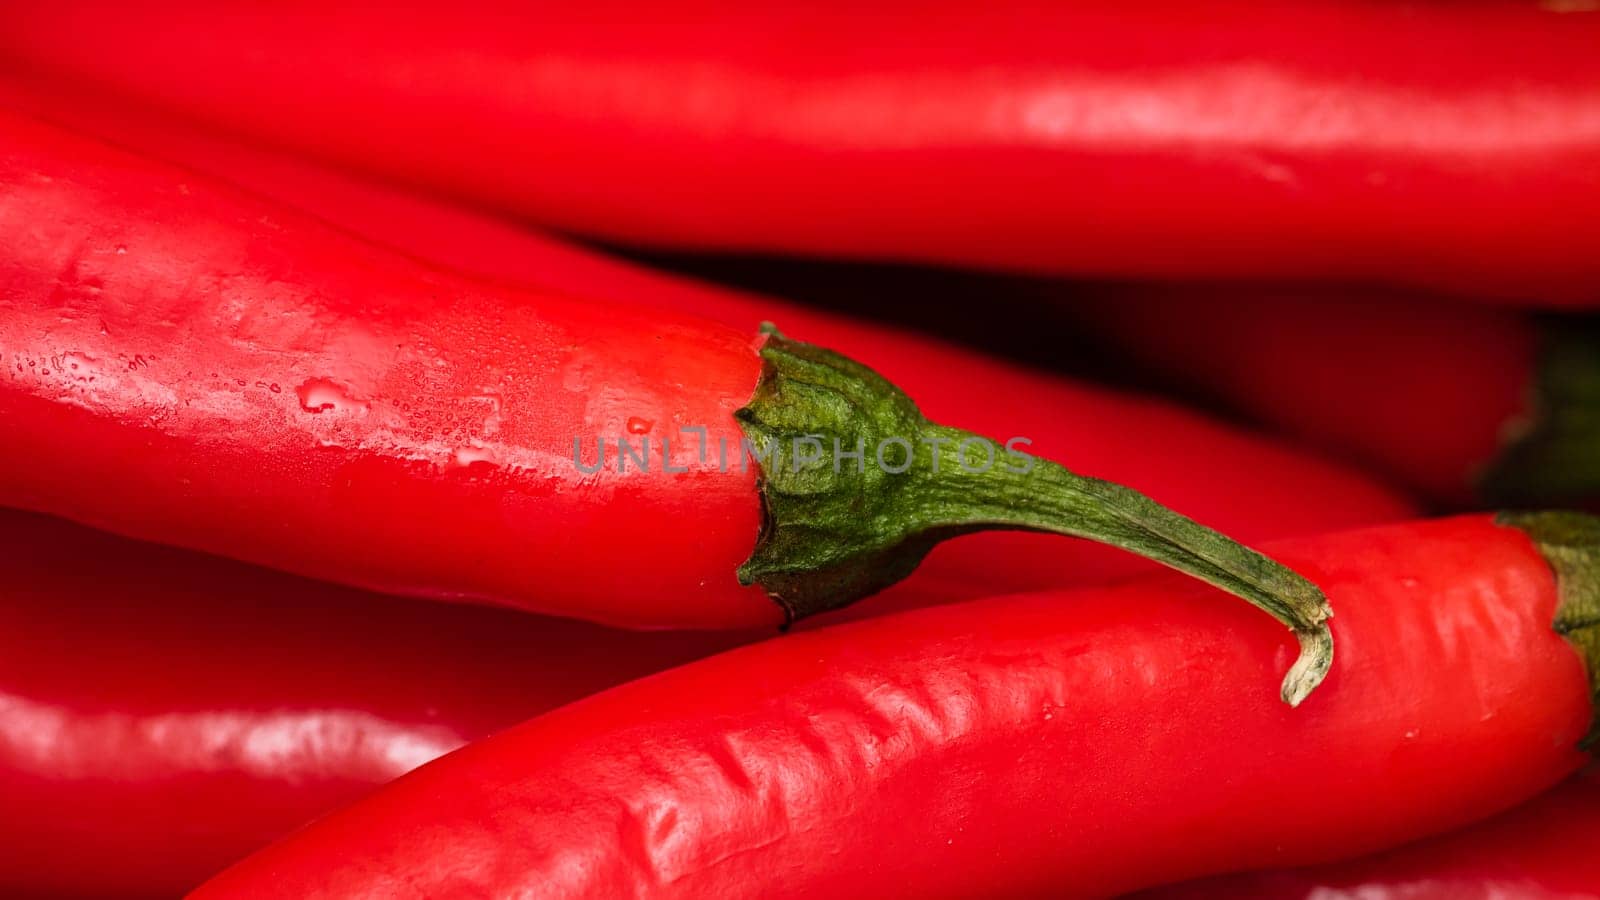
{"x":1158,"y":459}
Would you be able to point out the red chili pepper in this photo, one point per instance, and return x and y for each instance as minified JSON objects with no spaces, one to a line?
{"x":1254,"y":490}
{"x":164,"y":713}
{"x":413,"y":431}
{"x":1460,"y":403}
{"x":1059,"y":744}
{"x":1446,"y":145}
{"x":1544,"y":850}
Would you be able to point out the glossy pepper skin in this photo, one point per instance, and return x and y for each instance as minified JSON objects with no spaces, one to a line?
{"x":1547,"y":849}
{"x":187,"y":365}
{"x":148,"y":693}
{"x":1452,"y":146}
{"x":1059,"y":744}
{"x":1433,"y":394}
{"x":211,"y":287}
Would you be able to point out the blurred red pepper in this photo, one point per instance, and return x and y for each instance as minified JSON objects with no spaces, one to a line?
{"x":1060,"y":744}
{"x":1548,"y":849}
{"x":1453,"y":146}
{"x":1452,"y":401}
{"x":163,"y":713}
{"x":429,"y":499}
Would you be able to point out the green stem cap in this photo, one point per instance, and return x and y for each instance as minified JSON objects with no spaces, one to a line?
{"x":838,"y":526}
{"x":1570,"y":542}
{"x":1555,"y":458}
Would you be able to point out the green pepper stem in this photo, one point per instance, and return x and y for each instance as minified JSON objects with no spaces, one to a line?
{"x":1570,"y":543}
{"x":833,"y":533}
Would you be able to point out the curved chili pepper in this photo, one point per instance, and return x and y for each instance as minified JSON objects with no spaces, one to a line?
{"x":418,"y":432}
{"x":164,"y":713}
{"x":1548,"y":849}
{"x":1452,"y":146}
{"x":1059,"y":744}
{"x":1462,"y":403}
